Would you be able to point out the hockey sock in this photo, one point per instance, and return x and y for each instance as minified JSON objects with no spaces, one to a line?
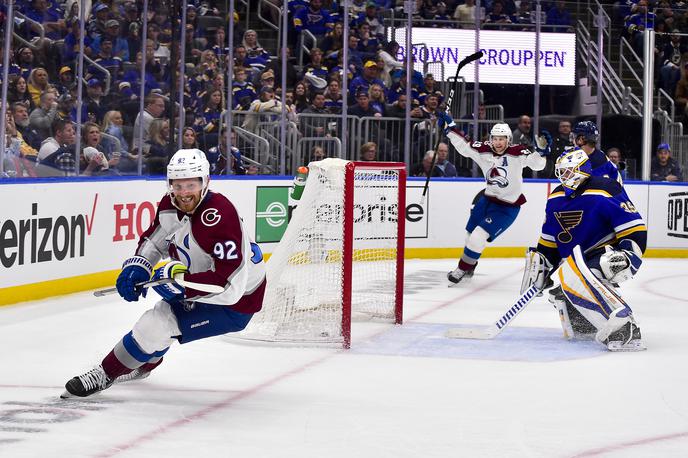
{"x":127,"y":356}
{"x":476,"y":242}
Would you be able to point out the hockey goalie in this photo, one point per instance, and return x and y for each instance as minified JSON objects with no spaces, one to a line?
{"x":593,"y":232}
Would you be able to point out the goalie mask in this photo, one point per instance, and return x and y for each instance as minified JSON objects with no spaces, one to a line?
{"x":188,"y":163}
{"x":572,"y":169}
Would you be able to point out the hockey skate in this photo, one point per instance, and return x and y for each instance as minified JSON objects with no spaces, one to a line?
{"x":136,"y":374}
{"x":87,"y":384}
{"x":627,"y":338}
{"x":458,"y":274}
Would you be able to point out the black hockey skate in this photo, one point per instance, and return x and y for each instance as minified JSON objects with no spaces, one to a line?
{"x":626,"y":338}
{"x":456,"y":275}
{"x":87,"y":384}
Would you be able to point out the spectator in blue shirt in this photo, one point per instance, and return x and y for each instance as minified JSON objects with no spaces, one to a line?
{"x":315,"y":19}
{"x":560,"y":16}
{"x":120,"y":47}
{"x":367,"y":79}
{"x":637,"y":23}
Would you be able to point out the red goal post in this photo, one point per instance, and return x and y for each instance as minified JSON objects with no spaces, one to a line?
{"x":348,"y":245}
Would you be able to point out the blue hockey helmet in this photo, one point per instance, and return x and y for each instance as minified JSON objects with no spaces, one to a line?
{"x":572,"y":169}
{"x":587,"y":130}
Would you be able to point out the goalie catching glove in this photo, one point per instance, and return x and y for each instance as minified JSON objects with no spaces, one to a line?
{"x":543,"y":143}
{"x":170,"y":292}
{"x":536,"y":272}
{"x":621,"y":263}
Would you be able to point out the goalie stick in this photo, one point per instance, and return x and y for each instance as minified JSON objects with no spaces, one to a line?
{"x":492,"y":331}
{"x":467,"y":60}
{"x":212,"y":289}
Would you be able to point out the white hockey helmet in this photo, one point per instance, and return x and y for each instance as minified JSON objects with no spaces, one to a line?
{"x":501,"y":130}
{"x":573,"y":168}
{"x":188,"y":163}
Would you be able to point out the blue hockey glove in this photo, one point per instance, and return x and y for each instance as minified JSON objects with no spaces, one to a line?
{"x":445,"y":122}
{"x":543,"y":143}
{"x":134,"y":270}
{"x":171,"y":292}
{"x":622,"y":262}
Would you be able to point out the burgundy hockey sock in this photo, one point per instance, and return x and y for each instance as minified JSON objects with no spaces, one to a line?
{"x":466,"y":267}
{"x":113,"y":367}
{"x":150,"y":366}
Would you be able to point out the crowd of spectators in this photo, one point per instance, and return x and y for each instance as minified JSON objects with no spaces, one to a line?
{"x":42,"y":89}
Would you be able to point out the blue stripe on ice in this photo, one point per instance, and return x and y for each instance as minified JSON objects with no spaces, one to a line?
{"x":513,"y":344}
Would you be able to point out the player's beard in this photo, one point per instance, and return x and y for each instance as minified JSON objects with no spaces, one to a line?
{"x":188,"y":203}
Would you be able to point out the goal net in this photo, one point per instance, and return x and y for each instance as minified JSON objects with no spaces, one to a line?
{"x":341,"y":256}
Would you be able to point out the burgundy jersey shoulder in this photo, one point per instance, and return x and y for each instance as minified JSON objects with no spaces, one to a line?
{"x":216,"y":219}
{"x":482,"y":147}
{"x":166,"y":204}
{"x":517,"y":150}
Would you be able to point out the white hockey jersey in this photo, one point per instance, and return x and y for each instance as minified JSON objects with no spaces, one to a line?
{"x":212,"y":243}
{"x":503,"y":172}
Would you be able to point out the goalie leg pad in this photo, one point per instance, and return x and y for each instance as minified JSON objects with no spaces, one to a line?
{"x":596,"y":302}
{"x":575,"y":326}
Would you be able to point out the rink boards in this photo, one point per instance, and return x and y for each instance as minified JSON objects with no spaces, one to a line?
{"x":59,"y":237}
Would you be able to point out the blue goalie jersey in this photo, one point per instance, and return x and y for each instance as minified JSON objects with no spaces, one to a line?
{"x":598,"y":213}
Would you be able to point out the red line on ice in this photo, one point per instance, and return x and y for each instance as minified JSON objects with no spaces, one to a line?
{"x":627,"y":445}
{"x":135,"y":442}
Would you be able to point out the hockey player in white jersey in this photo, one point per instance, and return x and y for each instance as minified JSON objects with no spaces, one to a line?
{"x":202,"y":233}
{"x":502,"y":164}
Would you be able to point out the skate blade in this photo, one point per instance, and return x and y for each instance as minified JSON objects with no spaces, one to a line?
{"x":634,"y":345}
{"x":67,"y":395}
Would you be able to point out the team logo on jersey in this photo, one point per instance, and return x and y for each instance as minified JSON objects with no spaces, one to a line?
{"x":568,"y":220}
{"x":498,"y":176}
{"x":210,"y":217}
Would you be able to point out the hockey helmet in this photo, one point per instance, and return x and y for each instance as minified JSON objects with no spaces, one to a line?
{"x":587,"y":130}
{"x":501,"y":130}
{"x":572,"y":169}
{"x":188,"y":163}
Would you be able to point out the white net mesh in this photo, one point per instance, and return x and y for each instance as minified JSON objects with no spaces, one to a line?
{"x":303,"y":301}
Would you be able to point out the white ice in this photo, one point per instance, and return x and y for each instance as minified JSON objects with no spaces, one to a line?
{"x":401,"y":391}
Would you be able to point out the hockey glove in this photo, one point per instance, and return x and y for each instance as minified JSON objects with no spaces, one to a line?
{"x":543,"y":143}
{"x":536,"y":272}
{"x":445,"y":122}
{"x":621,"y":264}
{"x":134,"y":270}
{"x":170,"y":292}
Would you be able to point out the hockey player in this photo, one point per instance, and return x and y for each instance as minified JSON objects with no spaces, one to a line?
{"x":202,"y":233}
{"x":502,"y":164}
{"x":592,"y":225}
{"x":585,"y":136}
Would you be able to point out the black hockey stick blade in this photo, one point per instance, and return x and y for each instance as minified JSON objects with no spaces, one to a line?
{"x":468,"y":59}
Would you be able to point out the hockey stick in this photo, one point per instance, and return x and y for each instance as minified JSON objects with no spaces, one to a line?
{"x":467,"y":60}
{"x":212,"y":289}
{"x":492,"y":331}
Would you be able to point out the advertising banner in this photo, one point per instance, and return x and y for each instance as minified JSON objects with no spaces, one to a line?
{"x":509,"y":57}
{"x":62,"y":230}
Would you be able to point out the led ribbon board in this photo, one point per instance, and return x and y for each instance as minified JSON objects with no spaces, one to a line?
{"x":509,"y":57}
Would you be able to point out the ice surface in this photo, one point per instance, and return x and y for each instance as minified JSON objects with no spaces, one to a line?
{"x":399,"y":392}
